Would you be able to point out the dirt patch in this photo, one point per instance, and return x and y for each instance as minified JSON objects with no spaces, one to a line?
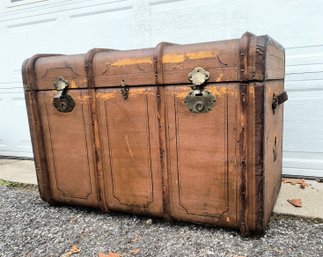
{"x":17,"y":185}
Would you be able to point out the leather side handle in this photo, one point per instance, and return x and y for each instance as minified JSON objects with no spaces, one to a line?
{"x":279,"y":99}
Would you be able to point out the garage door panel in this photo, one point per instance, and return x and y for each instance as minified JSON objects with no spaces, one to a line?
{"x":14,"y":133}
{"x":144,"y":24}
{"x":303,"y":137}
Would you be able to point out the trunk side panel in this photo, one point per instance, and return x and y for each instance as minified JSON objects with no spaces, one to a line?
{"x":259,"y":156}
{"x":254,"y":208}
{"x":272,"y":147}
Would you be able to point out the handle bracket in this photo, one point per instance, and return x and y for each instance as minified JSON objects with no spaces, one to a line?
{"x":279,"y":99}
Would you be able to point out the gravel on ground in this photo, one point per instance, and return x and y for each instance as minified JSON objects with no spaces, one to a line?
{"x":31,"y":227}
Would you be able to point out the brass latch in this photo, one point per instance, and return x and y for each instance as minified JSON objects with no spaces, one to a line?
{"x":198,"y":76}
{"x":62,"y":101}
{"x":199,"y":99}
{"x":124,"y":89}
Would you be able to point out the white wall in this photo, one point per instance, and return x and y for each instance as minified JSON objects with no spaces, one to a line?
{"x":74,"y":26}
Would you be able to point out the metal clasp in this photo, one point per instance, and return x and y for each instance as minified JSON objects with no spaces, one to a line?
{"x":62,"y":101}
{"x":124,"y":89}
{"x":199,"y":99}
{"x":198,"y":76}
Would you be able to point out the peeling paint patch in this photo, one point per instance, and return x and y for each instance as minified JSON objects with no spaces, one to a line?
{"x":136,"y":91}
{"x":83,"y":98}
{"x":133,"y":92}
{"x":106,"y":96}
{"x":219,"y":77}
{"x":200,"y":55}
{"x":214,"y":89}
{"x":218,"y":91}
{"x":173,"y":58}
{"x":132,"y":61}
{"x":72,"y":84}
{"x":177,"y":58}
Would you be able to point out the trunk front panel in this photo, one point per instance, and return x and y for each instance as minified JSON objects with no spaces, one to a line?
{"x":131,"y":158}
{"x":202,"y":156}
{"x":68,"y":143}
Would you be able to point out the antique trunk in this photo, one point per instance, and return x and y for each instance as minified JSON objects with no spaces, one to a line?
{"x":183,"y":132}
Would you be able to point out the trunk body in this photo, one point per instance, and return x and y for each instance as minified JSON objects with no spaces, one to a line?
{"x":124,"y":131}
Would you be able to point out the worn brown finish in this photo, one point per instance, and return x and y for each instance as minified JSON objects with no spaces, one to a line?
{"x":273,"y":148}
{"x":68,"y":145}
{"x":129,"y":137}
{"x":95,"y":128}
{"x":36,"y":131}
{"x":202,"y":156}
{"x":70,"y":67}
{"x":131,"y":143}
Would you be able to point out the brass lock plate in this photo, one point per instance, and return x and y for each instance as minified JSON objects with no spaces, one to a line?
{"x":200,"y":101}
{"x":62,"y":101}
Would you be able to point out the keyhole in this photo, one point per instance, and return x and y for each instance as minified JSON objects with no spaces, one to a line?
{"x":199,"y":107}
{"x":63,"y":106}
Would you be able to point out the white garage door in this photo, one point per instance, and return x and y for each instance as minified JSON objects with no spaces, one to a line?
{"x":74,"y":26}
